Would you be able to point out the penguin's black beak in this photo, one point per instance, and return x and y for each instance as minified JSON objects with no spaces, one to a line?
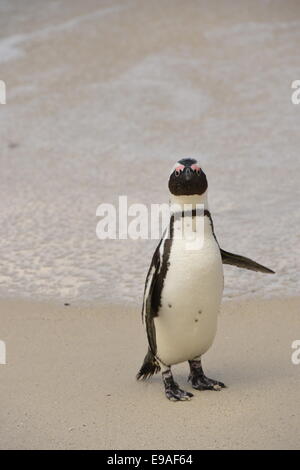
{"x":188,"y":174}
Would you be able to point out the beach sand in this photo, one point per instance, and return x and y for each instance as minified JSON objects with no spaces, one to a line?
{"x":69,"y":381}
{"x":102,"y":99}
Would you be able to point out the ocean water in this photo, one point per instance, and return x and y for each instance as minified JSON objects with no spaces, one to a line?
{"x":104,"y":97}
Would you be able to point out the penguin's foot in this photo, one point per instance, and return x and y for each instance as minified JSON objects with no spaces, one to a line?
{"x":200,"y":381}
{"x":172,"y":390}
{"x":175,"y":393}
{"x":206,"y":384}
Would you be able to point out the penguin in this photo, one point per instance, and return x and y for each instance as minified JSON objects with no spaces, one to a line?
{"x":184,"y":285}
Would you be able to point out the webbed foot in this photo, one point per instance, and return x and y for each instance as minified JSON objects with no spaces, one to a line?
{"x":172,"y":390}
{"x":200,"y":381}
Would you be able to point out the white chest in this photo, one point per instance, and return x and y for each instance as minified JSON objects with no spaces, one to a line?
{"x":191,"y":297}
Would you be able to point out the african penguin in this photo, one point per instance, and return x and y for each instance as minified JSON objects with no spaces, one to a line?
{"x":184,"y":285}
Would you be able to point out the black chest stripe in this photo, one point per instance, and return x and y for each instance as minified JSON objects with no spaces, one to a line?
{"x":160,"y":279}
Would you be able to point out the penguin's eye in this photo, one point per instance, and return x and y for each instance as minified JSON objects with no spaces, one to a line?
{"x":196,"y":169}
{"x":178,"y":170}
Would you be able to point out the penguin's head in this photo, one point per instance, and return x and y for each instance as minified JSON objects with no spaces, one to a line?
{"x":187,"y":178}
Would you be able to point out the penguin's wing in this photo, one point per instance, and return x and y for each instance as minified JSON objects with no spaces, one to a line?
{"x":243,"y":262}
{"x":153,"y":288}
{"x":149,"y":310}
{"x":238,"y":260}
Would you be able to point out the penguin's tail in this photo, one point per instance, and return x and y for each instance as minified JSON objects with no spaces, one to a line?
{"x":149,"y":367}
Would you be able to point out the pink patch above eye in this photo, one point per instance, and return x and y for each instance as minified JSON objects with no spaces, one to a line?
{"x":195,"y":167}
{"x":179,"y":168}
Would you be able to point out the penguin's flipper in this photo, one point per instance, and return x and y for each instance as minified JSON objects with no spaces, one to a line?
{"x":148,"y":310}
{"x":243,"y":262}
{"x":153,"y":287}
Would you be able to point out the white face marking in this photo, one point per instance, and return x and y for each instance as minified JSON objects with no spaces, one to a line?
{"x":179,"y":166}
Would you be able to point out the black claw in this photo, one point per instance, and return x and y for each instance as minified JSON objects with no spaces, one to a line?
{"x":222,"y":385}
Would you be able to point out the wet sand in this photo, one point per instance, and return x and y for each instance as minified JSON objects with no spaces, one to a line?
{"x":104,"y":97}
{"x":69,"y":381}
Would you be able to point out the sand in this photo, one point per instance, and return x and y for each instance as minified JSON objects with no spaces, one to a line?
{"x":69,"y":381}
{"x":102,"y":99}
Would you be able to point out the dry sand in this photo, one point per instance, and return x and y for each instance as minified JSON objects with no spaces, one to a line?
{"x":69,"y":381}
